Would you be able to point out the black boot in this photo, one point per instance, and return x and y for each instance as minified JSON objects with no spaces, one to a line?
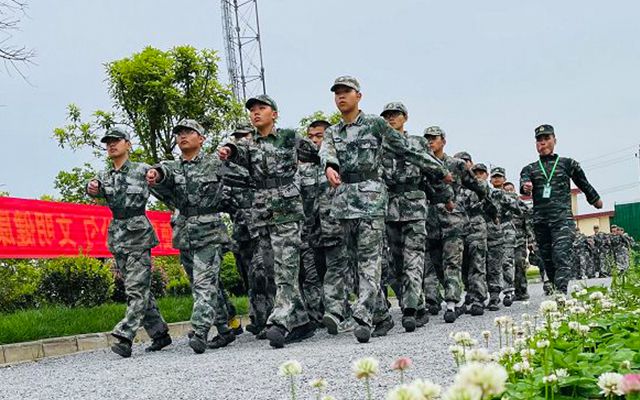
{"x":409,"y":322}
{"x":422,"y":317}
{"x":300,"y":333}
{"x":222,"y":339}
{"x":159,"y":343}
{"x":276,"y":335}
{"x":122,"y":348}
{"x":382,"y":328}
{"x":198,"y":344}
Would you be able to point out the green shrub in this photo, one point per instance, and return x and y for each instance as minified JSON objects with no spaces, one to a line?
{"x":229,"y":275}
{"x":19,"y":283}
{"x":177,"y":280}
{"x":78,"y":281}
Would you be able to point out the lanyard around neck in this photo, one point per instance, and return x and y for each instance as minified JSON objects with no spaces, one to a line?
{"x":553,"y":170}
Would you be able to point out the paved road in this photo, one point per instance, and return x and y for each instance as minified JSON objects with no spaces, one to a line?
{"x":248,"y":369}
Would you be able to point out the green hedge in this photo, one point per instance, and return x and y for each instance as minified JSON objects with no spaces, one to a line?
{"x":19,"y":282}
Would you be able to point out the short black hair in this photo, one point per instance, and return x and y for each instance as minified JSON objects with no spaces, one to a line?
{"x":317,"y":123}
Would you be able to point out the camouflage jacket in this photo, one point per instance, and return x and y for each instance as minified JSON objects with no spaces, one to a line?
{"x":405,"y":185}
{"x":238,"y":199}
{"x":126,"y":193}
{"x":602,"y":242}
{"x":356,"y":150}
{"x":194,"y":187}
{"x":272,"y":162}
{"x":580,"y":243}
{"x":522,"y":223}
{"x":558,"y":205}
{"x":320,"y":229}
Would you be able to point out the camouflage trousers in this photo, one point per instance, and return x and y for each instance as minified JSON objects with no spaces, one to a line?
{"x":203,"y":268}
{"x":142,"y":310}
{"x":406,"y":241}
{"x":555,"y":241}
{"x":508,"y":268}
{"x":443,"y":267}
{"x":338,"y":279}
{"x":363,"y":241}
{"x":278,"y":250}
{"x":243,"y":252}
{"x":474,"y":263}
{"x":520,"y":267}
{"x":582,"y":267}
{"x":224,"y":309}
{"x":605,"y":262}
{"x":311,"y":279}
{"x":495,"y":260}
{"x":622,"y":259}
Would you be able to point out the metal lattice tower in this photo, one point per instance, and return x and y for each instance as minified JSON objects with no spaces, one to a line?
{"x":243,"y":48}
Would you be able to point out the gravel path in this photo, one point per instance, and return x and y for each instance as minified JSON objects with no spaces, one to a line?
{"x":248,"y":369}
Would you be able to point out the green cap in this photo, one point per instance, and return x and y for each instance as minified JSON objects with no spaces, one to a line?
{"x":434,"y":131}
{"x":188,"y":124}
{"x":261,"y":98}
{"x":395,"y":106}
{"x":544,"y":130}
{"x":479,"y":167}
{"x":115,"y":133}
{"x":463,"y":155}
{"x":498,"y":171}
{"x":346,"y":80}
{"x":242,"y":129}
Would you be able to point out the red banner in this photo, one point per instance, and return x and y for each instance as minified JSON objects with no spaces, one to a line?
{"x":46,"y":229}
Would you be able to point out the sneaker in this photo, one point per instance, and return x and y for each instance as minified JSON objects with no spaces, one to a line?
{"x":383,"y":327}
{"x":254,"y":328}
{"x":362,"y":333}
{"x":434,"y":309}
{"x":222,"y":339}
{"x":493,"y":305}
{"x":476,"y":309}
{"x":198,"y":344}
{"x":300,"y":333}
{"x":409,"y":323}
{"x":422,"y":317}
{"x":450,"y":316}
{"x":276,"y":335}
{"x":507,"y":300}
{"x":461,"y":310}
{"x":331,"y":322}
{"x":122,"y":348}
{"x":159,"y":343}
{"x":521,"y":296}
{"x":347,"y":325}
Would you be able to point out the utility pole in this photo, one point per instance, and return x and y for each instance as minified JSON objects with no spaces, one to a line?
{"x":243,"y":48}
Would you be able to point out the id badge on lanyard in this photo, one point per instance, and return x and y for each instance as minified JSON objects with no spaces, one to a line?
{"x":546,"y":190}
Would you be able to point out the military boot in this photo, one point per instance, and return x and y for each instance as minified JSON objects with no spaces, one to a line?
{"x":198,"y":343}
{"x":159,"y":343}
{"x":409,"y":320}
{"x":122,"y":348}
{"x":276,"y":335}
{"x":383,"y":327}
{"x":222,"y":339}
{"x":422,"y":317}
{"x":300,"y":333}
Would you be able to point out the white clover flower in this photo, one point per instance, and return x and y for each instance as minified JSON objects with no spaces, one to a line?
{"x":520,"y":343}
{"x":526,"y":317}
{"x":428,"y":389}
{"x":507,"y":352}
{"x":463,"y":338}
{"x":503,"y":321}
{"x":609,"y":382}
{"x":290,"y":368}
{"x":462,"y":392}
{"x":596,"y":296}
{"x":562,"y":373}
{"x":486,"y":334}
{"x":571,"y":302}
{"x":550,"y":379}
{"x":318,"y":383}
{"x":584,"y":329}
{"x":560,"y":299}
{"x":365,"y":368}
{"x":404,"y":392}
{"x":582,"y":292}
{"x":626,"y":364}
{"x":526,"y":353}
{"x":456,"y":350}
{"x":548,"y":307}
{"x":574,"y":326}
{"x":479,"y":355}
{"x":490,"y":378}
{"x":542,"y":344}
{"x":523,"y":367}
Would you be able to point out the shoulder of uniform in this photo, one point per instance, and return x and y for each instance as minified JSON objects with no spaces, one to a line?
{"x":416,"y":140}
{"x":287,"y":132}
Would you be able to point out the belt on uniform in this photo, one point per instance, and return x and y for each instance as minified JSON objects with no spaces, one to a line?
{"x":124,"y":213}
{"x":355,"y":177}
{"x":236,"y":182}
{"x":404,"y":187}
{"x":271,"y":183}
{"x":194,"y":211}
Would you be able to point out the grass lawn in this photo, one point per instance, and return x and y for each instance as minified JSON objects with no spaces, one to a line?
{"x":54,"y":321}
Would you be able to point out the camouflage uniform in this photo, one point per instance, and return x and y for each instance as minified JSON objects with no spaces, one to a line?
{"x":356,"y":150}
{"x":446,"y":231}
{"x":552,"y":218}
{"x":583,"y":254}
{"x":130,"y":239}
{"x":602,"y":243}
{"x":194,"y":187}
{"x":621,"y":244}
{"x":524,"y":237}
{"x":276,"y":216}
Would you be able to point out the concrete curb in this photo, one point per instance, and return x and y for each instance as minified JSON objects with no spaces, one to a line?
{"x":17,"y":353}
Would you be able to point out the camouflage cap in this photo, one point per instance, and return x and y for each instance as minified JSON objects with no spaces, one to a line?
{"x":614,"y":226}
{"x":498,"y":171}
{"x":434,"y":131}
{"x":394,"y":106}
{"x":242,"y":129}
{"x":261,"y":98}
{"x":188,"y":124}
{"x":346,"y":80}
{"x":463,"y":155}
{"x":479,"y":167}
{"x":544,"y":130}
{"x":115,"y":133}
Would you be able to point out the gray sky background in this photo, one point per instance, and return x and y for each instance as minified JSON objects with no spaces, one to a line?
{"x":488,"y":72}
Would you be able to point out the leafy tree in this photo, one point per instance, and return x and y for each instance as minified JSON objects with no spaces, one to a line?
{"x":151,"y":91}
{"x":71,"y":185}
{"x":333,"y":118}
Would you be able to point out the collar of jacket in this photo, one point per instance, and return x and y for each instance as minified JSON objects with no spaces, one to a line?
{"x":195,"y":159}
{"x":124,"y":168}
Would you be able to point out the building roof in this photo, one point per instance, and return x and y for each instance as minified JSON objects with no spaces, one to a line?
{"x":595,"y":215}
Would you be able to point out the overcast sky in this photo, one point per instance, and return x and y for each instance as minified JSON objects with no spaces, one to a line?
{"x":488,"y":72}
